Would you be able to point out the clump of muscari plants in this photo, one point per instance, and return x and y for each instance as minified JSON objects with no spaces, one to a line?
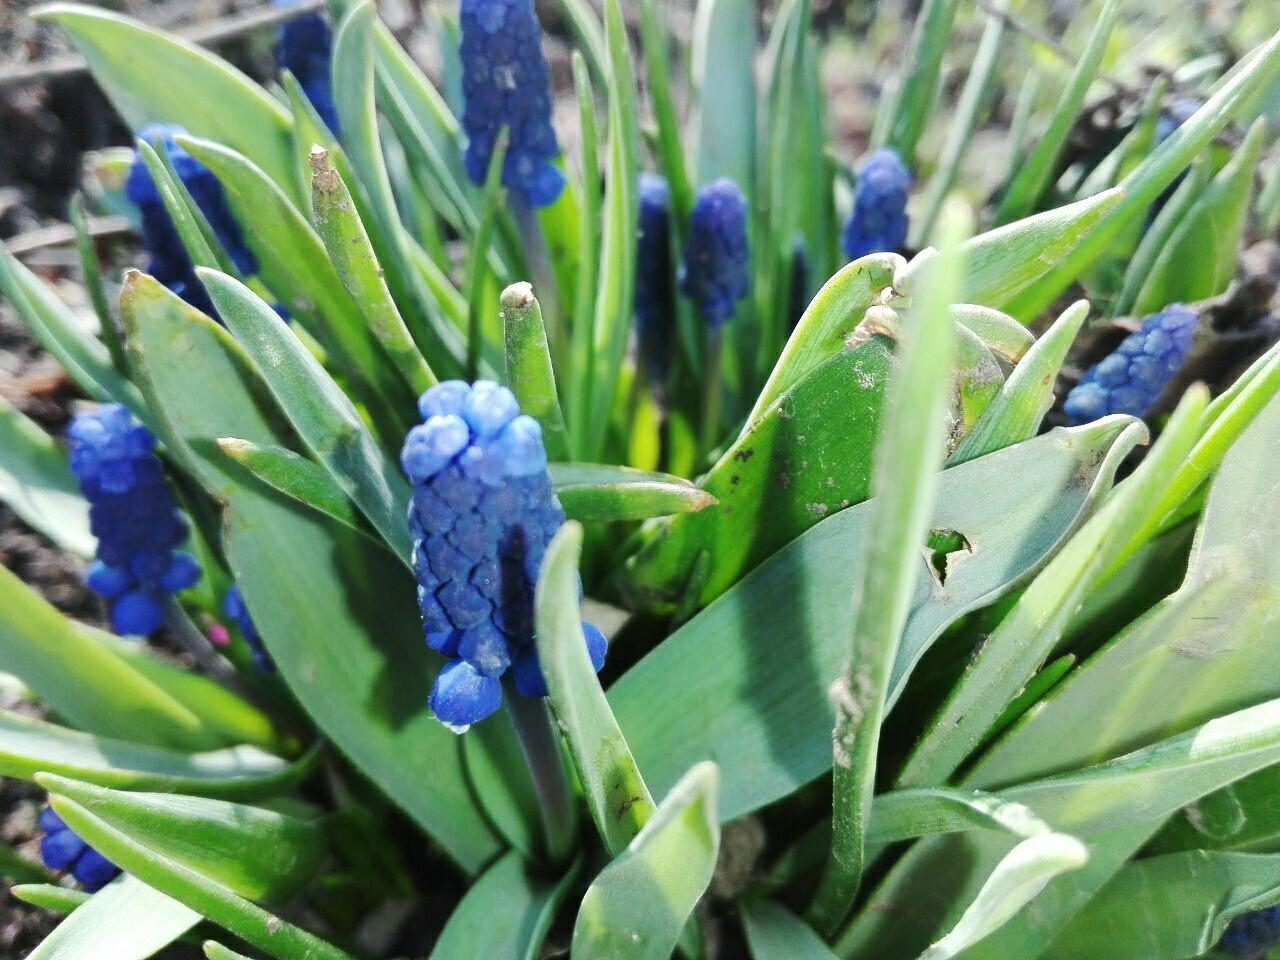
{"x":774,"y":417}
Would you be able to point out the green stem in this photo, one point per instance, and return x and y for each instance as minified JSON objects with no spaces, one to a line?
{"x":541,"y":748}
{"x":534,"y":242}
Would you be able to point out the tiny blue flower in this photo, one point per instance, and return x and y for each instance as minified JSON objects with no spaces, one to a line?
{"x":482,"y":514}
{"x":878,"y":221}
{"x":655,"y":294}
{"x":133,"y":514}
{"x":305,"y":49}
{"x":1132,"y":378}
{"x":506,"y":84}
{"x":170,"y":263}
{"x":715,"y":273}
{"x":62,"y":850}
{"x":1251,"y":935}
{"x":234,"y":607}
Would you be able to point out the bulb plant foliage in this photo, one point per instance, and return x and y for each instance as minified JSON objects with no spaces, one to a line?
{"x":774,"y":427}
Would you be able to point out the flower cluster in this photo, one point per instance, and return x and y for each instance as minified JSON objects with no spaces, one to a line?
{"x":305,"y":49}
{"x":507,"y":86}
{"x":1250,"y":936}
{"x":233,"y":606}
{"x":61,"y":849}
{"x":483,"y":512}
{"x":655,"y":307}
{"x":1132,"y":378}
{"x":170,"y":263}
{"x":133,"y":515}
{"x":878,"y":222}
{"x":715,"y":273}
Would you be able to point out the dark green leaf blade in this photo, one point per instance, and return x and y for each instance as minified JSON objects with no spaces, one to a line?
{"x":36,"y":483}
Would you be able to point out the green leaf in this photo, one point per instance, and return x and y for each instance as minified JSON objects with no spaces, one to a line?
{"x":293,"y":263}
{"x":354,"y":656}
{"x":176,"y":879}
{"x":506,"y":913}
{"x":1188,"y":269}
{"x":91,"y":267}
{"x":125,"y":920}
{"x":320,"y":412}
{"x":1170,"y":907}
{"x":1027,"y":395}
{"x":1015,"y":882}
{"x":1156,"y":174}
{"x":216,"y":951}
{"x":56,"y":329}
{"x":83,"y":681}
{"x":589,"y":491}
{"x":722,"y":51}
{"x":1035,"y":173}
{"x":593,"y":398}
{"x":582,"y":330}
{"x":1007,"y":260}
{"x":37,"y":485}
{"x":590,"y":33}
{"x":775,"y":933}
{"x":48,"y":896}
{"x":1156,"y":237}
{"x":748,"y":677}
{"x":155,"y":77}
{"x":14,"y":866}
{"x":339,"y":225}
{"x":1028,"y":633}
{"x":617,"y":797}
{"x":259,"y":854}
{"x":655,"y":45}
{"x":295,"y":476}
{"x":1244,"y":816}
{"x":31,"y":746}
{"x":501,"y":782}
{"x":918,"y":83}
{"x":530,"y":374}
{"x":637,"y":906}
{"x":999,"y":332}
{"x":173,"y":197}
{"x":909,"y":455}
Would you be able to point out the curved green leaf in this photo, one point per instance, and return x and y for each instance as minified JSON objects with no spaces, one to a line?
{"x":775,"y":933}
{"x":295,"y":476}
{"x":591,"y":491}
{"x":637,"y":906}
{"x":49,"y":896}
{"x":31,"y":746}
{"x":917,"y":86}
{"x":530,"y":374}
{"x":37,"y":484}
{"x":155,"y":77}
{"x":748,"y":677}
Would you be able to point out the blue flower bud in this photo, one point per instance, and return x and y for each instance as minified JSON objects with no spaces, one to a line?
{"x":482,"y":514}
{"x":62,"y":850}
{"x":133,"y":514}
{"x":506,"y":84}
{"x":878,"y":221}
{"x":715,"y":273}
{"x":1251,"y":935}
{"x":170,"y":264}
{"x":305,"y":49}
{"x":234,"y":607}
{"x":1132,"y":378}
{"x":655,"y":296}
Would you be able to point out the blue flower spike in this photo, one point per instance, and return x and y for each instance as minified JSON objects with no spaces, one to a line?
{"x":715,"y":273}
{"x":305,"y":49}
{"x":169,"y":262}
{"x":878,"y":222}
{"x":233,"y":606}
{"x":482,"y":515}
{"x":1251,"y":935}
{"x":133,"y":514}
{"x":1132,"y":378}
{"x":655,"y":295}
{"x":506,"y":84}
{"x":62,"y":850}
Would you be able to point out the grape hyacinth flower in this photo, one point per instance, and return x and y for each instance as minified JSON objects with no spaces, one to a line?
{"x":482,"y":514}
{"x":234,"y":607}
{"x":506,"y":84}
{"x":305,"y":49}
{"x":61,"y":849}
{"x":654,"y":301}
{"x":133,"y":514}
{"x":878,"y":222}
{"x":170,"y":263}
{"x":1251,"y":935}
{"x":1132,"y":378}
{"x":715,"y":273}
